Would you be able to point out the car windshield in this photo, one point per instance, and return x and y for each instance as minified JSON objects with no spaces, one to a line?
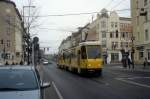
{"x":17,"y":80}
{"x":93,"y":52}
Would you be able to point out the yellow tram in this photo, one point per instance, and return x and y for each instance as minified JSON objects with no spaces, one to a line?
{"x":86,"y":57}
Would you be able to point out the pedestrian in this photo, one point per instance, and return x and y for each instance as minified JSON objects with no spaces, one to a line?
{"x":129,"y":62}
{"x":6,"y":63}
{"x":124,"y":63}
{"x":145,"y":63}
{"x":106,"y":59}
{"x":21,"y":62}
{"x":13,"y":63}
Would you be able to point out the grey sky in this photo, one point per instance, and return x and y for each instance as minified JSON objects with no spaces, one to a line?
{"x":54,"y":29}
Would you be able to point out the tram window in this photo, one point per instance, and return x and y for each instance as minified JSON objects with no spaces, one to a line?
{"x":83,"y":52}
{"x":93,"y":52}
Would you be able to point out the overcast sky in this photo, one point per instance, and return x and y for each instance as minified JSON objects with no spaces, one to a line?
{"x":54,"y":29}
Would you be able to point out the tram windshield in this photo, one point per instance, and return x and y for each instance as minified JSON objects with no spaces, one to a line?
{"x":93,"y":52}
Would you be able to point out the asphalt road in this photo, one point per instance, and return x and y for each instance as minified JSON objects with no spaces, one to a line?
{"x":115,"y":83}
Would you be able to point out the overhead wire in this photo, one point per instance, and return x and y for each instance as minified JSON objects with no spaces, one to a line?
{"x":109,"y":3}
{"x":118,"y":4}
{"x":74,"y":14}
{"x":55,"y":29}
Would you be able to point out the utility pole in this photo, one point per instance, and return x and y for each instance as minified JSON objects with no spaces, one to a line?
{"x":35,"y":51}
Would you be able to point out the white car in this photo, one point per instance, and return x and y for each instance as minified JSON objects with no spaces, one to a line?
{"x":20,"y":82}
{"x":45,"y":62}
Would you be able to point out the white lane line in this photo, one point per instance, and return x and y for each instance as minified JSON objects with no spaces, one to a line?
{"x":57,"y":91}
{"x":133,"y":83}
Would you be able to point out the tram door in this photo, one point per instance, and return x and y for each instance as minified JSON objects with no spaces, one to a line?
{"x":78,"y":57}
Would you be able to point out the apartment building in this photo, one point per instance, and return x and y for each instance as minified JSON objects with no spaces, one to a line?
{"x":114,"y":34}
{"x":11,"y":33}
{"x":140,"y":11}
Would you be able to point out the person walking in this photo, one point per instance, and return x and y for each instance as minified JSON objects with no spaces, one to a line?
{"x":6,"y":63}
{"x":145,"y":63}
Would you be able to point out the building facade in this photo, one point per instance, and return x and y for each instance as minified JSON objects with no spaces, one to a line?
{"x":140,"y":11}
{"x":114,"y":34}
{"x":11,"y":33}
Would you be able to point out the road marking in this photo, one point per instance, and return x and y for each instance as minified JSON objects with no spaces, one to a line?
{"x":137,"y":77}
{"x":135,"y":69}
{"x":118,"y":74}
{"x":57,"y":91}
{"x":134,"y":83}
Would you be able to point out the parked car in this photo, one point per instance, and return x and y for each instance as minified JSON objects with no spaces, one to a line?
{"x":45,"y":62}
{"x":20,"y":82}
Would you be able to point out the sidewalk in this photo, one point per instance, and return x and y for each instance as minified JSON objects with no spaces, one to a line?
{"x":136,"y":67}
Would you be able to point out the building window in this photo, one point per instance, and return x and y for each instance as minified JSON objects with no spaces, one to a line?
{"x":114,"y":45}
{"x":146,"y":17}
{"x":146,"y":35}
{"x":2,"y":42}
{"x":141,"y":54}
{"x":103,"y":24}
{"x":130,"y":44}
{"x":116,"y":33}
{"x":116,"y":24}
{"x":111,"y":34}
{"x":103,"y":34}
{"x":17,"y":54}
{"x":127,"y":35}
{"x":123,"y":35}
{"x":121,"y":44}
{"x":112,"y":24}
{"x":8,"y":56}
{"x":126,"y":44}
{"x":145,"y":2}
{"x":104,"y":44}
{"x":8,"y":43}
{"x":148,"y":53}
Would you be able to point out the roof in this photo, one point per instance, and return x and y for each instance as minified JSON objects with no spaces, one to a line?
{"x":17,"y":67}
{"x":11,"y":2}
{"x":8,"y":1}
{"x":125,"y":18}
{"x":90,"y":43}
